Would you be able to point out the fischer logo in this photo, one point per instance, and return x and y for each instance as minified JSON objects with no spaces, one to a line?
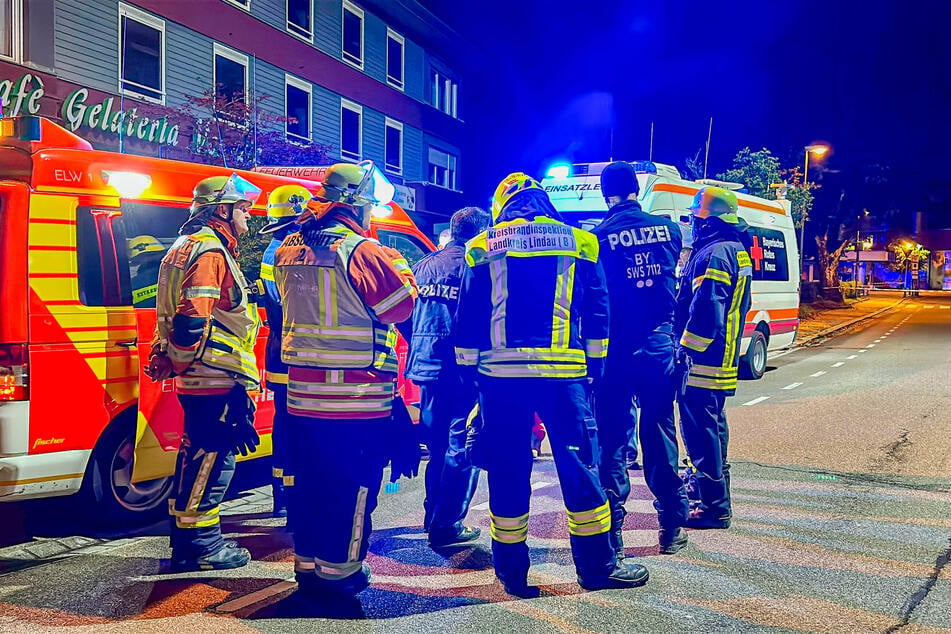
{"x":40,"y":442}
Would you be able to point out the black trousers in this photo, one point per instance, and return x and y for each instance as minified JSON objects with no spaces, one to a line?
{"x":706,"y":435}
{"x":202,"y":475}
{"x":338,"y":471}
{"x":451,"y":478}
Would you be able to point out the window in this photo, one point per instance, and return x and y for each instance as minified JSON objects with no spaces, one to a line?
{"x":410,"y":247}
{"x":230,"y":74}
{"x":352,"y":34}
{"x":100,"y":243}
{"x":442,"y":168}
{"x":147,"y":227}
{"x":769,"y":255}
{"x":300,"y":18}
{"x":297,"y":108}
{"x":141,"y":54}
{"x":444,"y":93}
{"x":394,"y":146}
{"x":243,"y":4}
{"x":351,"y":130}
{"x":394,"y":58}
{"x":10,"y":29}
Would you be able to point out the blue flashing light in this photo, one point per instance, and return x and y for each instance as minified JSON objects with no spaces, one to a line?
{"x":559,"y":170}
{"x":644,"y":167}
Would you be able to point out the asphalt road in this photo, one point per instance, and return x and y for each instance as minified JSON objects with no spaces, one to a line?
{"x":842,"y":488}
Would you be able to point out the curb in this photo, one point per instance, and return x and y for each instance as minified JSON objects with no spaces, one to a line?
{"x":833,"y":329}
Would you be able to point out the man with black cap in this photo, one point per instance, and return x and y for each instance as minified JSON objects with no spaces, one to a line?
{"x":639,"y":252}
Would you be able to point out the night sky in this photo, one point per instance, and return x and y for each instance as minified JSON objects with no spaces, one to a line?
{"x":871,"y":78}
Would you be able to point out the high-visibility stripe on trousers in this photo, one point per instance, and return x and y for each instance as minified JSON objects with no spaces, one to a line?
{"x":591,"y":522}
{"x":509,"y":530}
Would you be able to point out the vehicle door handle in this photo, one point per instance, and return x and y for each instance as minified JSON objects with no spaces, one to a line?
{"x":128,"y":344}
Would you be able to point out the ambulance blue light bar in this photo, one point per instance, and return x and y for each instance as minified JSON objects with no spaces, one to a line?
{"x":559,"y":170}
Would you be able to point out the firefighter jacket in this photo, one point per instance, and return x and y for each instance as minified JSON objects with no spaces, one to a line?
{"x":431,"y":350}
{"x":341,"y":293}
{"x":145,"y":281}
{"x":275,"y":370}
{"x":534,"y":301}
{"x":639,"y":252}
{"x":712,"y":302}
{"x":204,"y":321}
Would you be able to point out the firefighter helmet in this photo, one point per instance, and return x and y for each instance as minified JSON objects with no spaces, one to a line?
{"x":715,"y":202}
{"x":284,"y":205}
{"x":216,"y":190}
{"x":140,"y":245}
{"x":511,"y":185}
{"x":357,"y":185}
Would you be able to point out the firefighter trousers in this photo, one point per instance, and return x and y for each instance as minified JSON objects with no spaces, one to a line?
{"x":508,"y":407}
{"x":451,"y":478}
{"x":202,"y":474}
{"x":706,"y":435}
{"x":646,"y":382}
{"x":338,"y":472}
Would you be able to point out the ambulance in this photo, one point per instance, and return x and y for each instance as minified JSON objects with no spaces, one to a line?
{"x":77,"y":413}
{"x":773,"y":319}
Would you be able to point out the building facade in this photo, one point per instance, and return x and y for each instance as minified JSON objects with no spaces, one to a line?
{"x":365,"y":80}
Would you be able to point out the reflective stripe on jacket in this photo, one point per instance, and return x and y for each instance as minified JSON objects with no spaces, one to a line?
{"x":534,"y":301}
{"x":712,"y":302}
{"x":224,"y":352}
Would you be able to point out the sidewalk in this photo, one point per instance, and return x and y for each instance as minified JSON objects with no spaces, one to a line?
{"x":816,"y":320}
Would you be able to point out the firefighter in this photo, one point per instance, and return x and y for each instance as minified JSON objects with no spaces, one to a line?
{"x":533,"y":324}
{"x":446,"y":399}
{"x":712,"y":302}
{"x":205,"y":334}
{"x":341,"y":293}
{"x":639,"y":252}
{"x":284,"y":206}
{"x":145,"y":257}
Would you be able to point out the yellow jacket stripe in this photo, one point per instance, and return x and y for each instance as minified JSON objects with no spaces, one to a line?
{"x":695,"y":342}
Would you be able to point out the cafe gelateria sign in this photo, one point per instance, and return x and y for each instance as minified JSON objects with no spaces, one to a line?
{"x":24,"y":94}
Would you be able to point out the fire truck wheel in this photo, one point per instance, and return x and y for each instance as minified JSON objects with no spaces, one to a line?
{"x":753,"y":363}
{"x":110,"y":495}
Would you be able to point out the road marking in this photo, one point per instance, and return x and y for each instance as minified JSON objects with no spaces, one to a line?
{"x":756,"y":400}
{"x":852,"y":356}
{"x":862,"y":351}
{"x":256,"y":597}
{"x":871,"y":345}
{"x":838,"y":365}
{"x":816,"y":375}
{"x":539,"y":485}
{"x":792,"y":386}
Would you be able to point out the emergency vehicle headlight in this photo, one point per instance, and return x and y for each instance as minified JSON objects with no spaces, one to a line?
{"x":561,"y":170}
{"x":381,"y":211}
{"x":128,"y":184}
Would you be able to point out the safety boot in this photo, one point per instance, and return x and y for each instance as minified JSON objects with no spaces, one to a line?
{"x":314,"y":587}
{"x":701,"y":519}
{"x":671,"y":540}
{"x":624,"y":575}
{"x":230,"y":555}
{"x":444,"y":539}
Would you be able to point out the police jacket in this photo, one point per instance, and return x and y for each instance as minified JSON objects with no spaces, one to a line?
{"x":534,"y":301}
{"x":431,"y":349}
{"x":275,"y":369}
{"x":712,"y":302}
{"x":341,"y":293}
{"x":639,"y":252}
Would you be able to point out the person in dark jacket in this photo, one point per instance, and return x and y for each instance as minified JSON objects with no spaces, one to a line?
{"x":533,"y":324}
{"x":639,"y":252}
{"x":712,"y":302}
{"x":446,"y":399}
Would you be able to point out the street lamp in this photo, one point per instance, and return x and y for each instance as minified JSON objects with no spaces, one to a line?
{"x":819,"y":150}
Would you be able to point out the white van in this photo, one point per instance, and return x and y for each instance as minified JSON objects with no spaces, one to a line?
{"x":773,"y":319}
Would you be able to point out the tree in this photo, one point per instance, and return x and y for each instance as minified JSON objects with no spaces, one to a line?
{"x":241,"y":134}
{"x":908,"y":255}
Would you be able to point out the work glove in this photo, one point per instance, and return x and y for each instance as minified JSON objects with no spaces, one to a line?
{"x":159,"y":367}
{"x":682,"y":365}
{"x":405,"y":454}
{"x":239,"y":422}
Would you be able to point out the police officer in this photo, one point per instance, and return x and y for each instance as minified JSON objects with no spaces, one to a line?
{"x":712,"y":302}
{"x":446,"y":399}
{"x":341,"y":292}
{"x":284,"y":206}
{"x":533,"y":322}
{"x":145,"y":257}
{"x":205,"y":334}
{"x":639,"y":252}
